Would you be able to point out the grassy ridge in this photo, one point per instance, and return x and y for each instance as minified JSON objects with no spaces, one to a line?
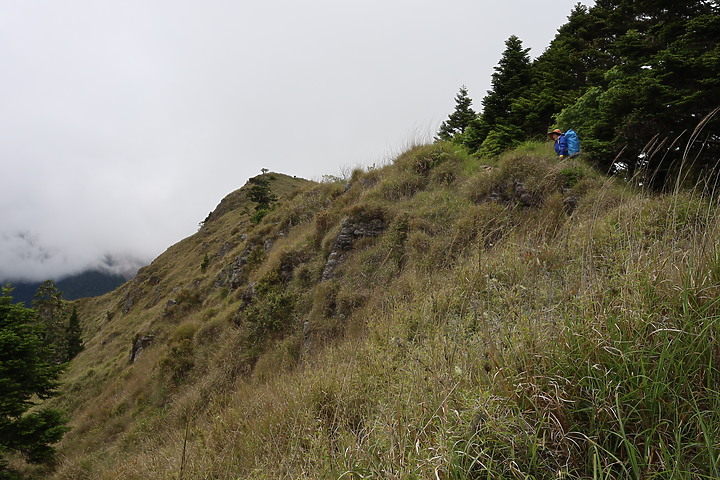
{"x":513,"y":318}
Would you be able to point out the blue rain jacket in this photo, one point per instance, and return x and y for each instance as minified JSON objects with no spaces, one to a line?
{"x":561,"y":146}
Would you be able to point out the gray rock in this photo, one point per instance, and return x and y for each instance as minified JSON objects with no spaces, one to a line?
{"x":522,"y":195}
{"x":225,"y":249}
{"x":140,"y":343}
{"x":130,"y":298}
{"x":237,"y":276}
{"x":570,"y":204}
{"x":349,"y":233}
{"x":248,"y":294}
{"x":234,"y":275}
{"x":169,"y":307}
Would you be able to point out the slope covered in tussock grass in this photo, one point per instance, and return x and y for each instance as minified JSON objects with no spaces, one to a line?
{"x":513,"y":318}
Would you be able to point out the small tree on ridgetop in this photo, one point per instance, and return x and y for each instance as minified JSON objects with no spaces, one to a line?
{"x":262,"y":195}
{"x":459,"y":120}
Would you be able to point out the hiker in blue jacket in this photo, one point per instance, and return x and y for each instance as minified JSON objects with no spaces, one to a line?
{"x":561,"y":144}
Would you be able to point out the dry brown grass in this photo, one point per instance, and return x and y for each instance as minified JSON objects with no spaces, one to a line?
{"x":434,"y":351}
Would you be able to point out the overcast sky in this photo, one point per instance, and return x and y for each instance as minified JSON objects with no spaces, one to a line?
{"x":123,"y":123}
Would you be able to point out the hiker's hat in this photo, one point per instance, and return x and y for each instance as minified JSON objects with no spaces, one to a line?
{"x":557,"y":130}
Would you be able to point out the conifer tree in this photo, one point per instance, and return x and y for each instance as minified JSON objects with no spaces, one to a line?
{"x":660,"y":84}
{"x":562,"y":73}
{"x":25,"y":375}
{"x":459,"y":120}
{"x":510,"y":80}
{"x":261,"y":194}
{"x":73,"y":336}
{"x":50,"y":310}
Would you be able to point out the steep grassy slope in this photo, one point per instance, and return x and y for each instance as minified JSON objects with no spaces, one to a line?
{"x":440,"y":317}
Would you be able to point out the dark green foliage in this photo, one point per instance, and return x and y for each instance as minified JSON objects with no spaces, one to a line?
{"x":510,"y":80}
{"x":50,"y":310}
{"x":73,"y":336}
{"x":271,"y":311}
{"x":259,"y":215}
{"x":562,"y":73}
{"x":572,"y":175}
{"x":255,"y":257}
{"x":638,"y":80}
{"x":204,"y":264}
{"x":499,"y":138}
{"x":662,"y":64}
{"x":262,"y":195}
{"x":62,"y":334}
{"x":459,"y":120}
{"x":25,"y":374}
{"x":204,"y":222}
{"x":180,"y":360}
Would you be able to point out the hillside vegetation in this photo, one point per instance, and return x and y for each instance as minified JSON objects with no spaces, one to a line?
{"x":637,"y":79}
{"x":439,"y":317}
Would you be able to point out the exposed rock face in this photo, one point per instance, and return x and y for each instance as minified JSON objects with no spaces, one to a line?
{"x":234,"y":275}
{"x":349,"y":233}
{"x":514,"y":193}
{"x":130,"y":298}
{"x":570,"y":203}
{"x":140,"y":343}
{"x":225,"y":249}
{"x":522,"y":195}
{"x":289,"y":261}
{"x":248,"y":294}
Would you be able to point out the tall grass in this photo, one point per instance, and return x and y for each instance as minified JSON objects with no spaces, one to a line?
{"x":479,"y":337}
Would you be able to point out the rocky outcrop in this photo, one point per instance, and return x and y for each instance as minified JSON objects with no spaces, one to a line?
{"x":140,"y":343}
{"x":234,"y":275}
{"x":130,"y":298}
{"x":225,"y":249}
{"x":248,"y":294}
{"x":349,"y":233}
{"x":514,"y":194}
{"x":570,"y":204}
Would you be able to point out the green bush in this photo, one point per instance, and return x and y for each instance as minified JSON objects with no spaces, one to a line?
{"x":180,"y":358}
{"x":184,"y":331}
{"x":271,"y":310}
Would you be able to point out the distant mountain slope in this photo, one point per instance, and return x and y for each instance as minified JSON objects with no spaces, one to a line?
{"x":91,"y":283}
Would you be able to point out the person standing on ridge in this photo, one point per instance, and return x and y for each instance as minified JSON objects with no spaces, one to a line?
{"x":561,"y":144}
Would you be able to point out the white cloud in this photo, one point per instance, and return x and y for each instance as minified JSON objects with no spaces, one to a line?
{"x":123,"y":123}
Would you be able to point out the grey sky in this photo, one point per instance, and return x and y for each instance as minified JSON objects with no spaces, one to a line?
{"x":122,"y":124}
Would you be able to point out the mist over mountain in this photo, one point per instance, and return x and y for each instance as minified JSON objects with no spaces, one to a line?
{"x":90,"y":283}
{"x":26,"y":263}
{"x":27,"y":257}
